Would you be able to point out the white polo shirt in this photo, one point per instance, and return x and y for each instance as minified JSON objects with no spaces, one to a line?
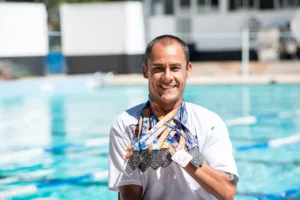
{"x":171,"y":182}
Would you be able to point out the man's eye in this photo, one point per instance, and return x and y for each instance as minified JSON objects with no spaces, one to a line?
{"x":176,"y":69}
{"x":158,"y":69}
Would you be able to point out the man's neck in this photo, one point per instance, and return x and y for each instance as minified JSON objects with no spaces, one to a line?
{"x":168,"y":108}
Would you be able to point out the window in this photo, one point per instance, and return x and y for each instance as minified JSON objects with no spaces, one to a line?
{"x":185,"y":3}
{"x":205,"y":6}
{"x":169,"y":9}
{"x":264,"y":5}
{"x":215,"y":3}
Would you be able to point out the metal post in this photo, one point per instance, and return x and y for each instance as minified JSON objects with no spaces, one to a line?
{"x":245,"y":52}
{"x":207,"y":5}
{"x":223,"y":6}
{"x":148,"y":4}
{"x":176,"y":7}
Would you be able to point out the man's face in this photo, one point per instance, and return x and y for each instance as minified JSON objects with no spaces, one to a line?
{"x":167,"y":72}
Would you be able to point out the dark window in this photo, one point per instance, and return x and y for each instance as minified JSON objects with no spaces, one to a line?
{"x":264,"y":5}
{"x":251,"y":3}
{"x":215,"y":2}
{"x":169,"y":7}
{"x":235,"y":4}
{"x":185,"y":3}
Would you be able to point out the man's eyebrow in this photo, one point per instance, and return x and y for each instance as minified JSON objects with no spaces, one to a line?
{"x":176,"y":64}
{"x":157,"y":64}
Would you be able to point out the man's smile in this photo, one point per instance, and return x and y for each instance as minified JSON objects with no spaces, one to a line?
{"x":167,"y":86}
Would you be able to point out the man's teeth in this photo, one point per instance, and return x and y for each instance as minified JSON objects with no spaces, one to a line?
{"x":167,"y":86}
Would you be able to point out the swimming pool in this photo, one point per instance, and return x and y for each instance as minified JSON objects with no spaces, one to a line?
{"x":73,"y":167}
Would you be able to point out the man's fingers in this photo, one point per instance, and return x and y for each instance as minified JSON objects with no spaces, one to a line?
{"x":127,"y":156}
{"x":129,"y":148}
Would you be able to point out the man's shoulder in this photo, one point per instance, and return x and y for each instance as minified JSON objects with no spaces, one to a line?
{"x":199,"y":109}
{"x":128,"y":116}
{"x":202,"y":112}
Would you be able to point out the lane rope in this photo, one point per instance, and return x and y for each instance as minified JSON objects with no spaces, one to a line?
{"x":280,"y":195}
{"x":270,"y":143}
{"x":33,"y":188}
{"x":252,"y":119}
{"x":35,"y":152}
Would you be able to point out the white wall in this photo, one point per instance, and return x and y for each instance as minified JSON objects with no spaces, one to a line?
{"x":218,"y":31}
{"x":102,"y":28}
{"x":230,"y":25}
{"x":160,"y":25}
{"x":23,"y":29}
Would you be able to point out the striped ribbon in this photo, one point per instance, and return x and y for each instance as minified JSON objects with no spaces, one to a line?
{"x":153,"y":123}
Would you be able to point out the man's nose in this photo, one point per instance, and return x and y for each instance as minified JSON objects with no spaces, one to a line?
{"x":168,"y":75}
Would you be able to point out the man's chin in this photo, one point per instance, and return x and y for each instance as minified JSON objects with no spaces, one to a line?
{"x":168,"y":100}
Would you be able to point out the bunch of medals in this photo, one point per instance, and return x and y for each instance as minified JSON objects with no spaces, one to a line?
{"x":164,"y":138}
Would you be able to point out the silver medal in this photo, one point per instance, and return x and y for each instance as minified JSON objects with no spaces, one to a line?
{"x":166,"y":156}
{"x":198,"y":158}
{"x":157,"y":159}
{"x":146,"y":160}
{"x":182,"y":157}
{"x":135,"y":160}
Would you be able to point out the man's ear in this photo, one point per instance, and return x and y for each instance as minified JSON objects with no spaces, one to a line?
{"x":145,"y":71}
{"x":189,"y":70}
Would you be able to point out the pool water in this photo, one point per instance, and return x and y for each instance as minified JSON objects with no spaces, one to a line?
{"x":36,"y":120}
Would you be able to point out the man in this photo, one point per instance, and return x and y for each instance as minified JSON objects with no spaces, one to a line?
{"x":202,"y":164}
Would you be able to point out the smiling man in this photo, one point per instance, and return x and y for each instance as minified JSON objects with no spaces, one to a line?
{"x":167,"y":148}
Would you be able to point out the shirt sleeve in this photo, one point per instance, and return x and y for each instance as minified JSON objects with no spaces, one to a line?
{"x":120,"y":173}
{"x":218,"y":148}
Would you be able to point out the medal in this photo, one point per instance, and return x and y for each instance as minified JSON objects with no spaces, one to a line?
{"x":157,"y":159}
{"x":198,"y":158}
{"x":182,"y":157}
{"x":167,"y":157}
{"x":159,"y":130}
{"x":135,"y":160}
{"x":146,"y":160}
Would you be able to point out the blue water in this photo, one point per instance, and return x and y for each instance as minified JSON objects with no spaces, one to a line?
{"x":45,"y":120}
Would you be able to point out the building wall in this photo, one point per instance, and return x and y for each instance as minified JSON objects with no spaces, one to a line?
{"x":103,"y":37}
{"x":218,"y":32}
{"x":23,"y":37}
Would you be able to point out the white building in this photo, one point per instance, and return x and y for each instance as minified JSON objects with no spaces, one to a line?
{"x":213,"y":27}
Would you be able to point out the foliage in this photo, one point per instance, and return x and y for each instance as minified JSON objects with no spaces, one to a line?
{"x":51,"y":4}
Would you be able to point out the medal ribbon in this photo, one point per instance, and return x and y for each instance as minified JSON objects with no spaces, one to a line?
{"x":154,"y":125}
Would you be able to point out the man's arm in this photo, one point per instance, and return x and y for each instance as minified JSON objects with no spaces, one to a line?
{"x":130,"y":192}
{"x":220,"y":184}
{"x":212,"y":174}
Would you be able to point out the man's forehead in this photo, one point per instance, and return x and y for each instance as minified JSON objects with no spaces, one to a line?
{"x":171,"y":49}
{"x":166,"y":41}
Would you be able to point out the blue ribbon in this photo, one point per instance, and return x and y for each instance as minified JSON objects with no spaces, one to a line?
{"x":176,"y":124}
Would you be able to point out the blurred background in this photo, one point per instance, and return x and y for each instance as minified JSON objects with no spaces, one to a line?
{"x":68,"y":67}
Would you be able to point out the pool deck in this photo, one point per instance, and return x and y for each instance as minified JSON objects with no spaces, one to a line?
{"x":222,"y":73}
{"x":212,"y":73}
{"x":214,"y":80}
